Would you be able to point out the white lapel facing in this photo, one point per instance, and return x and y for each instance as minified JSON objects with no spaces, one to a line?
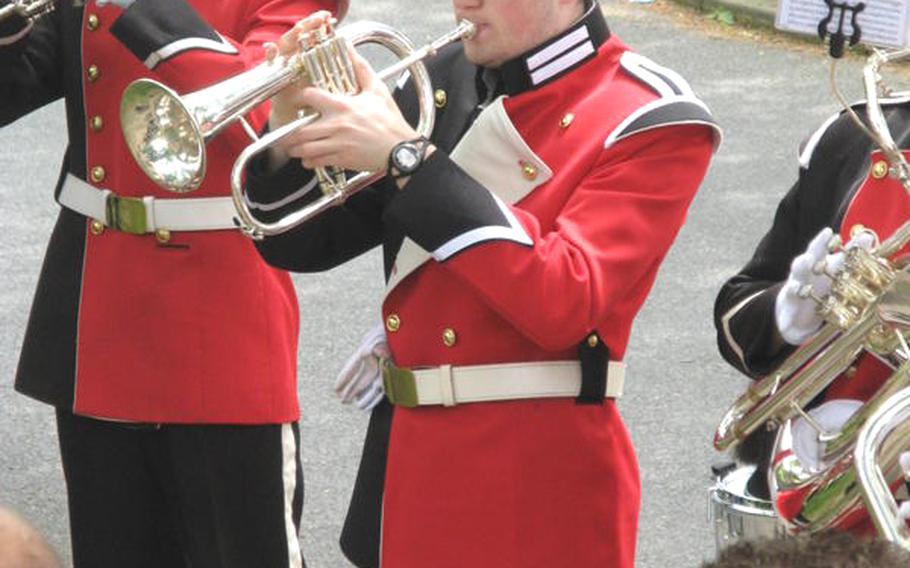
{"x":493,"y":153}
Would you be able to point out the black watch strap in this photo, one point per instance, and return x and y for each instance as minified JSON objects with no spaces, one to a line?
{"x":419,"y":148}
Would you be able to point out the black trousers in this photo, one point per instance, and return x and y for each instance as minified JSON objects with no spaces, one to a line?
{"x":182,"y":496}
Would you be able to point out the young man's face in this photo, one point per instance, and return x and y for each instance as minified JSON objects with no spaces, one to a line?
{"x":508,"y":28}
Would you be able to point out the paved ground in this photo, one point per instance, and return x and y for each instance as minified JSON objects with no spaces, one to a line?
{"x":767,"y":94}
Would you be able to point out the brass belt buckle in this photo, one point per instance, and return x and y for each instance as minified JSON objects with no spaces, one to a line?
{"x":126,"y":214}
{"x":399,"y":384}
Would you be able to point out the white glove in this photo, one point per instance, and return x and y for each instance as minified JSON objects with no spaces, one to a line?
{"x":121,"y":3}
{"x":360,"y":380}
{"x":831,"y":416}
{"x":796,"y":316}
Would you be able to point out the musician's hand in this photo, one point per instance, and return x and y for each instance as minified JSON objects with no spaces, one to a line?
{"x":286,"y":103}
{"x":360,"y":380}
{"x":795,"y":313}
{"x":354,"y":132}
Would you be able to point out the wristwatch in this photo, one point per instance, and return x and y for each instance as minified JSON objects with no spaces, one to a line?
{"x":407,"y":156}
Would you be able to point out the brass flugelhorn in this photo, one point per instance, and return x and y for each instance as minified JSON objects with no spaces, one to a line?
{"x":31,"y":10}
{"x":333,"y":181}
{"x":166,"y":132}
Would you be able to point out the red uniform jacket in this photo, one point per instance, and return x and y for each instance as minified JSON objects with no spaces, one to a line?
{"x":545,"y":221}
{"x":199,"y":330}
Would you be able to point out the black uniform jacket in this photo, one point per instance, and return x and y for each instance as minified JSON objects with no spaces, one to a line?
{"x":834,"y":162}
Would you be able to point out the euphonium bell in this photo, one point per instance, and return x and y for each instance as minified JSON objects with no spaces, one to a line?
{"x":881,"y":463}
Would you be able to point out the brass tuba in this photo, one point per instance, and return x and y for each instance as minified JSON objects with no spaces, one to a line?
{"x":166,"y":132}
{"x":867,"y":310}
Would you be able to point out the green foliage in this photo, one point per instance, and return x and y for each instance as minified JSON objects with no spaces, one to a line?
{"x":723,"y":16}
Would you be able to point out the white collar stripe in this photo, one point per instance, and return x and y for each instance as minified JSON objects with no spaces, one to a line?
{"x":557,"y":48}
{"x":563,"y":63}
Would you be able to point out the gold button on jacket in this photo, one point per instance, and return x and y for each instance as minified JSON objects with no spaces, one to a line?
{"x":392,"y":323}
{"x":880,"y":169}
{"x":97,"y":174}
{"x":441,"y":98}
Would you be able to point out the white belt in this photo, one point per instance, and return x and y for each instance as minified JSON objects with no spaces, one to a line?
{"x":448,"y":385}
{"x":148,"y":214}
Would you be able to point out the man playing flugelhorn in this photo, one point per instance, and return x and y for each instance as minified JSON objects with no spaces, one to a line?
{"x":520,"y":240}
{"x":166,"y":345}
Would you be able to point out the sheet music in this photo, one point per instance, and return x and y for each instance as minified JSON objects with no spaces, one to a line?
{"x":882,"y":23}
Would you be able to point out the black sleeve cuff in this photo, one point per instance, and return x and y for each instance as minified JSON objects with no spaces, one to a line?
{"x":445,"y":211}
{"x":273,"y":195}
{"x":755,"y":328}
{"x":154,"y":30}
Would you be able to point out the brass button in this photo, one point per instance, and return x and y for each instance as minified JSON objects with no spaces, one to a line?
{"x":592,"y":340}
{"x":850,"y":372}
{"x":448,"y":337}
{"x":92,"y":72}
{"x":880,"y":169}
{"x":440,"y":98}
{"x":97,"y":123}
{"x":96,"y":227}
{"x":163,"y":236}
{"x":98,"y":174}
{"x":392,"y":323}
{"x":92,"y":22}
{"x":566,"y":120}
{"x":529,"y":171}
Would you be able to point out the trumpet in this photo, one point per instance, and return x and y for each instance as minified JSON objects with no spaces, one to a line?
{"x":31,"y":10}
{"x":166,"y":132}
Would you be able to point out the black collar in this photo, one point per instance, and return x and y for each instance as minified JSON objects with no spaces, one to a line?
{"x":558,"y":55}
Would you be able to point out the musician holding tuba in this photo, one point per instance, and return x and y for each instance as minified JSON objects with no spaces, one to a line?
{"x":165,"y":343}
{"x":520,"y":239}
{"x":846,"y":192}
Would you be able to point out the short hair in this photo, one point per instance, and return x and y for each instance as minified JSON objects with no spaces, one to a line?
{"x":21,"y":545}
{"x":831,"y":549}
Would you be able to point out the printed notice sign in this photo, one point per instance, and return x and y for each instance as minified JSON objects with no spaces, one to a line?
{"x":882,"y":23}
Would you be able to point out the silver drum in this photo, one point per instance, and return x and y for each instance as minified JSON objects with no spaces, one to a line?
{"x":736,"y":515}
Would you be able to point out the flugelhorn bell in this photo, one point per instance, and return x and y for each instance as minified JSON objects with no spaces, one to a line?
{"x":167,"y":133}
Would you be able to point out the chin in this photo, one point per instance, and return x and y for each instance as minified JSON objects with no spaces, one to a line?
{"x":479,"y":58}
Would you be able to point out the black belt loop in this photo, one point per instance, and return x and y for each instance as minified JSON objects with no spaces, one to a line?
{"x":594,"y":357}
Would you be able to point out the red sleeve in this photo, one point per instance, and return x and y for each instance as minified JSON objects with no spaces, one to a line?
{"x":596,"y":264}
{"x":170,"y":37}
{"x":187,"y":53}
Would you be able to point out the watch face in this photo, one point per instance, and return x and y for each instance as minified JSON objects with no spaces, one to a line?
{"x":406,"y":158}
